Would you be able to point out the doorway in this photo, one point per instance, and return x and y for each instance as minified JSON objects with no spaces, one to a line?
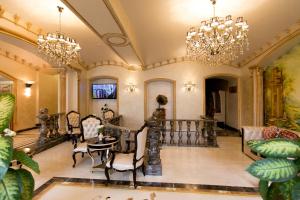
{"x":221,"y":102}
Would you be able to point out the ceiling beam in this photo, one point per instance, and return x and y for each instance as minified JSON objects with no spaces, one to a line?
{"x":121,"y":19}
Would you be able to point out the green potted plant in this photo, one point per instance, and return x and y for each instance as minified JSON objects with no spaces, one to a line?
{"x":15,"y":182}
{"x":279,"y":171}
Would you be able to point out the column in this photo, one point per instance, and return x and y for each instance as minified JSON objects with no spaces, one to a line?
{"x":62,"y":100}
{"x":257,"y":77}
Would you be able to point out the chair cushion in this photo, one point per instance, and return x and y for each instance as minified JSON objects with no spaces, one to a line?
{"x":81,"y":147}
{"x":124,"y":162}
{"x":76,"y":131}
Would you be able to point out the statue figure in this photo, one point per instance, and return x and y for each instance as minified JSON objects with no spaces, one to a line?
{"x":43,"y":119}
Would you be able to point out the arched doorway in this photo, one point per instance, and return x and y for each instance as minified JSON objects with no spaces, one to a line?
{"x":222,"y":101}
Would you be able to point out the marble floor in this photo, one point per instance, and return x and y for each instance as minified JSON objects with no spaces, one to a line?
{"x":223,"y":166}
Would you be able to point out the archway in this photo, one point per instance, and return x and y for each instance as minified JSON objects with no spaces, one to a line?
{"x":222,"y":100}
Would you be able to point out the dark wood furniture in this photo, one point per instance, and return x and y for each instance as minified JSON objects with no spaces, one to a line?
{"x":73,"y":123}
{"x":105,"y":145}
{"x":89,"y":126}
{"x":130,"y":161}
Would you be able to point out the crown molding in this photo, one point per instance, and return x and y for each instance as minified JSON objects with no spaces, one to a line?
{"x":17,"y":20}
{"x":123,"y":29}
{"x":91,"y":28}
{"x":273,"y":45}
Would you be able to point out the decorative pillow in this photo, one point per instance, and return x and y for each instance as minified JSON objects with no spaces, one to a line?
{"x":271,"y":132}
{"x":288,"y":134}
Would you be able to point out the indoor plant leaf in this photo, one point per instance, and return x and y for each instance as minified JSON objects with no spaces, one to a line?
{"x":296,"y":191}
{"x":7,"y":102}
{"x":5,"y":154}
{"x":273,"y":169}
{"x":10,"y":185}
{"x":26,"y":160}
{"x":27,"y":184}
{"x":263,"y":189}
{"x":285,"y":188}
{"x":254,"y":143}
{"x":274,"y":192}
{"x":279,"y":148}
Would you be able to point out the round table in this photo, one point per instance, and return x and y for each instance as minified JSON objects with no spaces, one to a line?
{"x":104,"y":146}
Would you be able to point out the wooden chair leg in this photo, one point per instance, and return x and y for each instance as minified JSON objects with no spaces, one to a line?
{"x":134,"y":178}
{"x":74,"y":159}
{"x":82,"y":155}
{"x":107,"y":175}
{"x":143,"y":169}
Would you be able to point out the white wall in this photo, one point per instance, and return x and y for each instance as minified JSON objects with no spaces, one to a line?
{"x":71,"y":90}
{"x":232,"y":106}
{"x":221,"y":116}
{"x":156,"y":88}
{"x":189,"y":105}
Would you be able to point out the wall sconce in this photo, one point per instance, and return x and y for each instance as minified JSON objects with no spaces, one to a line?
{"x":131,"y":87}
{"x":189,"y":86}
{"x":27,"y":91}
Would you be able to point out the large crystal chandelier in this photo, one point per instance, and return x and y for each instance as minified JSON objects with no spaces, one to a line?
{"x":57,"y":47}
{"x":217,"y":40}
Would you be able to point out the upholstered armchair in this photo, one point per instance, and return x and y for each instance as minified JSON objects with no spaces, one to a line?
{"x":130,"y":161}
{"x":89,"y":129}
{"x":108,"y":114}
{"x":73,"y":123}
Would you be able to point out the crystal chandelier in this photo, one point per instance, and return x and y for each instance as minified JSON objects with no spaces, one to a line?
{"x":57,"y":47}
{"x":217,"y":40}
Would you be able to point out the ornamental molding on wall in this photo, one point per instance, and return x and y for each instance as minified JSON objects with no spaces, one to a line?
{"x":269,"y":47}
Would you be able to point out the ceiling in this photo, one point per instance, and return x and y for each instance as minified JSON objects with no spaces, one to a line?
{"x":140,"y":34}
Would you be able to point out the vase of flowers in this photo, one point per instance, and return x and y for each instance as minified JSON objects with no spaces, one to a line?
{"x":160,"y":111}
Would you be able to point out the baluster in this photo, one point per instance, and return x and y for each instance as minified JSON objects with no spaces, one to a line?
{"x":205,"y":134}
{"x":188,"y":132}
{"x":56,"y":126}
{"x":172,"y":132}
{"x":163,"y":132}
{"x":51,"y":127}
{"x":180,"y":132}
{"x":197,"y":134}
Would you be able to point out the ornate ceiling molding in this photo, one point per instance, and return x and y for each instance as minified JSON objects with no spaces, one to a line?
{"x":17,"y":20}
{"x":91,"y":27}
{"x":273,"y":45}
{"x":26,"y":63}
{"x":17,"y":36}
{"x":123,"y":29}
{"x":108,"y":39}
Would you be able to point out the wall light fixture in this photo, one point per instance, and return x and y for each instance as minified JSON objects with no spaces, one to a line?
{"x":189,"y":86}
{"x":27,"y":91}
{"x":131,"y":87}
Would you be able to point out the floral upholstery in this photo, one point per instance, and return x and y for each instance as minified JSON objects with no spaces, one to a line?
{"x":109,"y":114}
{"x":73,"y":119}
{"x":90,"y":126}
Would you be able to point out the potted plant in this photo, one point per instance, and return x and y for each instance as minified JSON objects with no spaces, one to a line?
{"x":161,"y":100}
{"x":15,"y":183}
{"x":279,"y":172}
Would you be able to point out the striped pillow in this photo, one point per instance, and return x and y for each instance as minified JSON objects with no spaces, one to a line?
{"x":288,"y":134}
{"x":271,"y":132}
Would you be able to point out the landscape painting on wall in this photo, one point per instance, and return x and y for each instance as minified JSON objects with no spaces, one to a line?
{"x":282,"y":91}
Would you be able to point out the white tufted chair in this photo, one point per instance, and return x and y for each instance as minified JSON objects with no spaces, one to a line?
{"x":89,"y":128}
{"x":130,"y":161}
{"x":73,"y":122}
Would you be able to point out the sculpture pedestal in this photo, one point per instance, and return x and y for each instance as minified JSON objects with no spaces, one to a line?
{"x":153,"y":161}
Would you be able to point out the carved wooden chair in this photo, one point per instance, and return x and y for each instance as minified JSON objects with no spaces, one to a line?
{"x":89,"y":128}
{"x":108,"y":114}
{"x":130,"y":161}
{"x":73,"y":123}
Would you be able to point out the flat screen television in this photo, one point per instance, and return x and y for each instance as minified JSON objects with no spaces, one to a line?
{"x":104,"y":91}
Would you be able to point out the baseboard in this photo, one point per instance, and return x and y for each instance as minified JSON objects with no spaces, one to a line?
{"x":231,"y":128}
{"x":26,"y":129}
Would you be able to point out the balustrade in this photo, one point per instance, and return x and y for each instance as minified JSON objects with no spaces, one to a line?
{"x":188,"y":132}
